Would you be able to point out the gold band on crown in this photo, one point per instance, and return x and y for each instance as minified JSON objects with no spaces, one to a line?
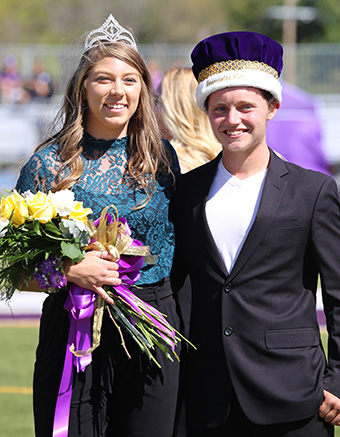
{"x":237,"y":64}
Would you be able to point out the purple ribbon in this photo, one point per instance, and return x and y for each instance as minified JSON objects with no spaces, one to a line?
{"x":80,"y":307}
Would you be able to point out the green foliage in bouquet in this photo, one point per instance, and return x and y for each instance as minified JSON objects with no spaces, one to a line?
{"x":32,"y":227}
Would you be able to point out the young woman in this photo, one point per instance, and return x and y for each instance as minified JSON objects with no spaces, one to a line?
{"x":109,"y":151}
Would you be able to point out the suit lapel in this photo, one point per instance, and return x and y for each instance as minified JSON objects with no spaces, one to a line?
{"x":273,"y":191}
{"x":204,"y":235}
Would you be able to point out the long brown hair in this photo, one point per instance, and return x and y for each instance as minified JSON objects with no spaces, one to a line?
{"x":148,"y":156}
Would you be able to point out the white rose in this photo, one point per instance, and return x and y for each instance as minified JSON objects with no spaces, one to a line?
{"x":63,"y":202}
{"x":75,"y":229}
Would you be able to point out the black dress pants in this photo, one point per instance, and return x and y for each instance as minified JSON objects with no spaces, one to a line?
{"x":238,"y":425}
{"x":115,"y":396}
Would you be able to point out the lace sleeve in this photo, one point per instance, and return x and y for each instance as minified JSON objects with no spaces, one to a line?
{"x":39,"y":173}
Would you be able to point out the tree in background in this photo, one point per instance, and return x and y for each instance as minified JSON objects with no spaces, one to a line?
{"x":157,"y":21}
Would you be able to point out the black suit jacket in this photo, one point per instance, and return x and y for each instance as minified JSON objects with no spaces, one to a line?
{"x":256,"y":329}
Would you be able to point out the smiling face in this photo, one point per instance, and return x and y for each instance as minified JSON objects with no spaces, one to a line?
{"x":112,"y":92}
{"x":238,"y":117}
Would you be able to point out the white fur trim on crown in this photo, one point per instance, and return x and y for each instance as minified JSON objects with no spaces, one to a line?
{"x":234,"y":78}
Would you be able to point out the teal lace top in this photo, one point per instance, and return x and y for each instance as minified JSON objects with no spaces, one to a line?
{"x":103,"y":183}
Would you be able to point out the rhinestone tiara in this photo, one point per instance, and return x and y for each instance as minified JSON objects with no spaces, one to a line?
{"x":110,"y":31}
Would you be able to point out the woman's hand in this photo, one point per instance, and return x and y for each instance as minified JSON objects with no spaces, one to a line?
{"x":93,"y":272}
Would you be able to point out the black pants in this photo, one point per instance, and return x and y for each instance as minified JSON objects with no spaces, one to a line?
{"x":238,"y":425}
{"x":115,"y":396}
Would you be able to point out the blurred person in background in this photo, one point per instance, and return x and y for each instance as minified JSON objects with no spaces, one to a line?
{"x":156,"y":73}
{"x":187,"y":127}
{"x":39,"y":84}
{"x":297,"y":131}
{"x":11,"y":83}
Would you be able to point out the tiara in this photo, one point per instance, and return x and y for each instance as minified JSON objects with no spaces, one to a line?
{"x":110,"y":31}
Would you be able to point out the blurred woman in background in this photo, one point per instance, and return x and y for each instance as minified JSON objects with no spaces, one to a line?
{"x":188,"y":127}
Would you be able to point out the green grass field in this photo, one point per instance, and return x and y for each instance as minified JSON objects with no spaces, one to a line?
{"x":17,"y":346}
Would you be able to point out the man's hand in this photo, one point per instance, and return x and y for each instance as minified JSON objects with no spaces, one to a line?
{"x":329,"y":410}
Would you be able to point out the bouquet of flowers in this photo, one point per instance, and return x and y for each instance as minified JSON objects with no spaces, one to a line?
{"x":40,"y":228}
{"x":39,"y":231}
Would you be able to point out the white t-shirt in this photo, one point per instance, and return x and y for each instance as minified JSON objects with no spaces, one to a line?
{"x":231,"y":210}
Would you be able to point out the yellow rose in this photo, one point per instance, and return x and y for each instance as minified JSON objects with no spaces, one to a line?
{"x":40,"y":207}
{"x":79,"y":212}
{"x":6,"y":207}
{"x":14,"y":203}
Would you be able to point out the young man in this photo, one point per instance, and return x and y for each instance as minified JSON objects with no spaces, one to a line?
{"x":253,"y":233}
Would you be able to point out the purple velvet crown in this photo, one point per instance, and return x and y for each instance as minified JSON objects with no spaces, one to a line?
{"x":249,"y":46}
